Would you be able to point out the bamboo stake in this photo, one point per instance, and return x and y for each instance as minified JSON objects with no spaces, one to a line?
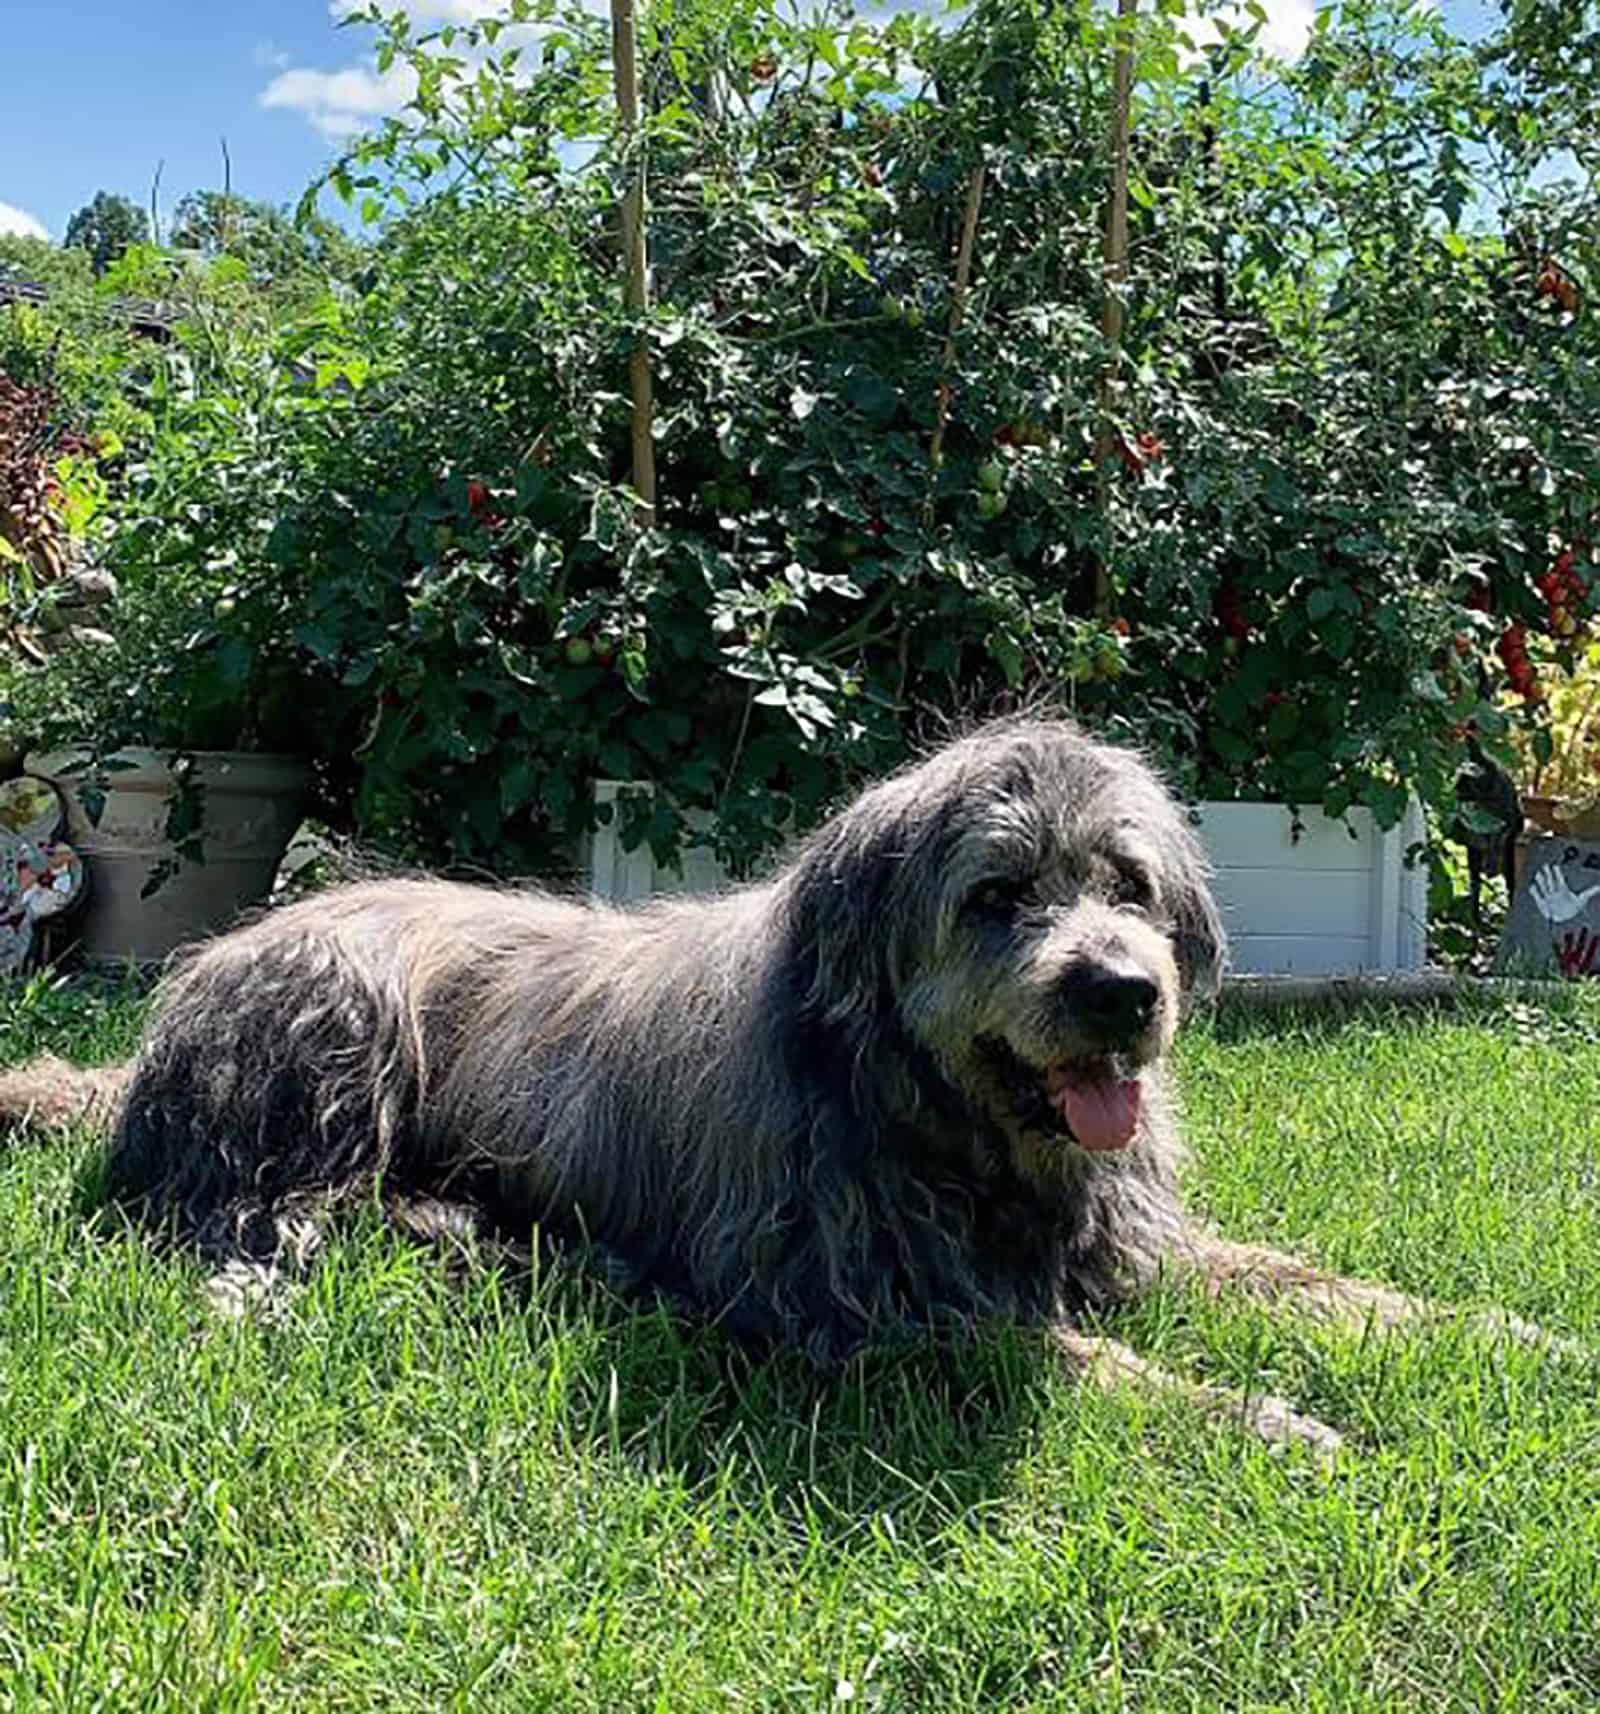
{"x":635,"y":278}
{"x":1114,"y":269}
{"x":958,"y":299}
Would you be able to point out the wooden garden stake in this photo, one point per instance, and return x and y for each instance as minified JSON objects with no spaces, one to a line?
{"x":1114,"y":270}
{"x":958,"y":298}
{"x":635,"y":278}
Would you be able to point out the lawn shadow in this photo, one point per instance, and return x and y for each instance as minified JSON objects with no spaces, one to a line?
{"x":924,"y":1433}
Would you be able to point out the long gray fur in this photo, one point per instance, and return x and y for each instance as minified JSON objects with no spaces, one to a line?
{"x":800,"y":1108}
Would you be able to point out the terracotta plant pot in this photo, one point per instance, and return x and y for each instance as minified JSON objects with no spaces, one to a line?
{"x":1541,"y":811}
{"x":1568,"y":818}
{"x":252,"y":806}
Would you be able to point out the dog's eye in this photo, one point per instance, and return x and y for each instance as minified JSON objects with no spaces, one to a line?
{"x":1131,"y":890}
{"x":997,"y":898}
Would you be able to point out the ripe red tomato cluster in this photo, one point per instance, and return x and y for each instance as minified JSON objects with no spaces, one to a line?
{"x":481,"y":504}
{"x":1144,"y":450}
{"x":1556,"y":283}
{"x":1229,"y":614}
{"x":1513,"y":652}
{"x":1563,"y":590}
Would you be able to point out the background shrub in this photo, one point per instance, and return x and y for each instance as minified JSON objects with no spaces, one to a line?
{"x":1354,"y":421}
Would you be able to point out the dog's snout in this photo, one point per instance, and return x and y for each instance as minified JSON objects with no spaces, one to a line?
{"x":1114,"y":1003}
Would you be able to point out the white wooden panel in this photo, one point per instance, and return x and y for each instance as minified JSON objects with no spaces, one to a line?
{"x":622,"y":876}
{"x":1411,"y":902}
{"x":1294,"y":901}
{"x":1320,"y":904}
{"x":1333,"y":898}
{"x":1297,"y":954}
{"x":1261,"y":835}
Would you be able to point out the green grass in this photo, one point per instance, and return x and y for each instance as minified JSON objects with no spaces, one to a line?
{"x":408,"y":1493}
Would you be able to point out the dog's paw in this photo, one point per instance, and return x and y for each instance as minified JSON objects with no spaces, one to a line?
{"x":239,"y":1288}
{"x":1278,"y":1423}
{"x":1502,"y":1324}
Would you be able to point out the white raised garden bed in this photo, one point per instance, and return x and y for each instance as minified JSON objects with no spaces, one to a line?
{"x":1336,"y":900}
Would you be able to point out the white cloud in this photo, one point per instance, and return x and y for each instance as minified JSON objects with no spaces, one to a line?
{"x":267,"y":53}
{"x":18,"y":223}
{"x":341,"y":102}
{"x":1285,"y":30}
{"x":1288,"y":27}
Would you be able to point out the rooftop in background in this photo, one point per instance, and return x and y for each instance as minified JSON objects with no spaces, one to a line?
{"x":150,"y":320}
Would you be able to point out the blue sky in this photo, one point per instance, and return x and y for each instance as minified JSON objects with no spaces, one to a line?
{"x":120,"y":86}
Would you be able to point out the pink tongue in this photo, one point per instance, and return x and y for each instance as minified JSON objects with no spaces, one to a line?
{"x":1103,"y":1112}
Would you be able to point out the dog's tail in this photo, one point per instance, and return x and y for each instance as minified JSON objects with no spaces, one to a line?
{"x":49,"y":1092}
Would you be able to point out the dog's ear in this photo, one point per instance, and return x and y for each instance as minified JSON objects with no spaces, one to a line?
{"x":1199,"y":939}
{"x":837,"y":1013}
{"x":842,"y":924}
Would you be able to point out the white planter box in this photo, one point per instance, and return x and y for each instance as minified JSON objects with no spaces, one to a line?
{"x":1335,"y":901}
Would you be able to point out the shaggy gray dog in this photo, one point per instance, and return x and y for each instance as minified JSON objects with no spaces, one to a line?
{"x":916,"y":1079}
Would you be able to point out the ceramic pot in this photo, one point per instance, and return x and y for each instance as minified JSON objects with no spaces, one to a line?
{"x":251,"y":807}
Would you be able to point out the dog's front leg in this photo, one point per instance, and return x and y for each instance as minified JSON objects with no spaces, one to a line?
{"x":1277,"y":1278}
{"x":1108,"y":1363}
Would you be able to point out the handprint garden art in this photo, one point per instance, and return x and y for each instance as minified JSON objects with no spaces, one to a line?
{"x":1554,"y":925}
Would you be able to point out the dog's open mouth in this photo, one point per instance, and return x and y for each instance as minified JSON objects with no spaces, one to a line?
{"x":1093,"y":1099}
{"x":1099,"y":1105}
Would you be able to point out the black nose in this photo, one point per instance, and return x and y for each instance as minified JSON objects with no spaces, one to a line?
{"x":1115,"y":1005}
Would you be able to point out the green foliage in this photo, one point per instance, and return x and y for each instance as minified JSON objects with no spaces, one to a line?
{"x":1567,"y":767}
{"x":294,"y":262}
{"x":106,"y":227}
{"x":51,"y":265}
{"x":1356,"y":413}
{"x":1551,"y":48}
{"x":77,"y":341}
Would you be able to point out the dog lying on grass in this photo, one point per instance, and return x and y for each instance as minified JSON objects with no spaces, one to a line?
{"x":915,"y":1080}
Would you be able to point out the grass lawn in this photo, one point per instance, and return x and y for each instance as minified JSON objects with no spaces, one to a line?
{"x":404,"y":1493}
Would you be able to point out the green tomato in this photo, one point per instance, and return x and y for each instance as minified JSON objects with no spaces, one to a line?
{"x":990,"y":505}
{"x":580,"y":651}
{"x":992,"y":475}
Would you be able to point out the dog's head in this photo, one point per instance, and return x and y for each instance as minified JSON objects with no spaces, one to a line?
{"x":1029,"y":908}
